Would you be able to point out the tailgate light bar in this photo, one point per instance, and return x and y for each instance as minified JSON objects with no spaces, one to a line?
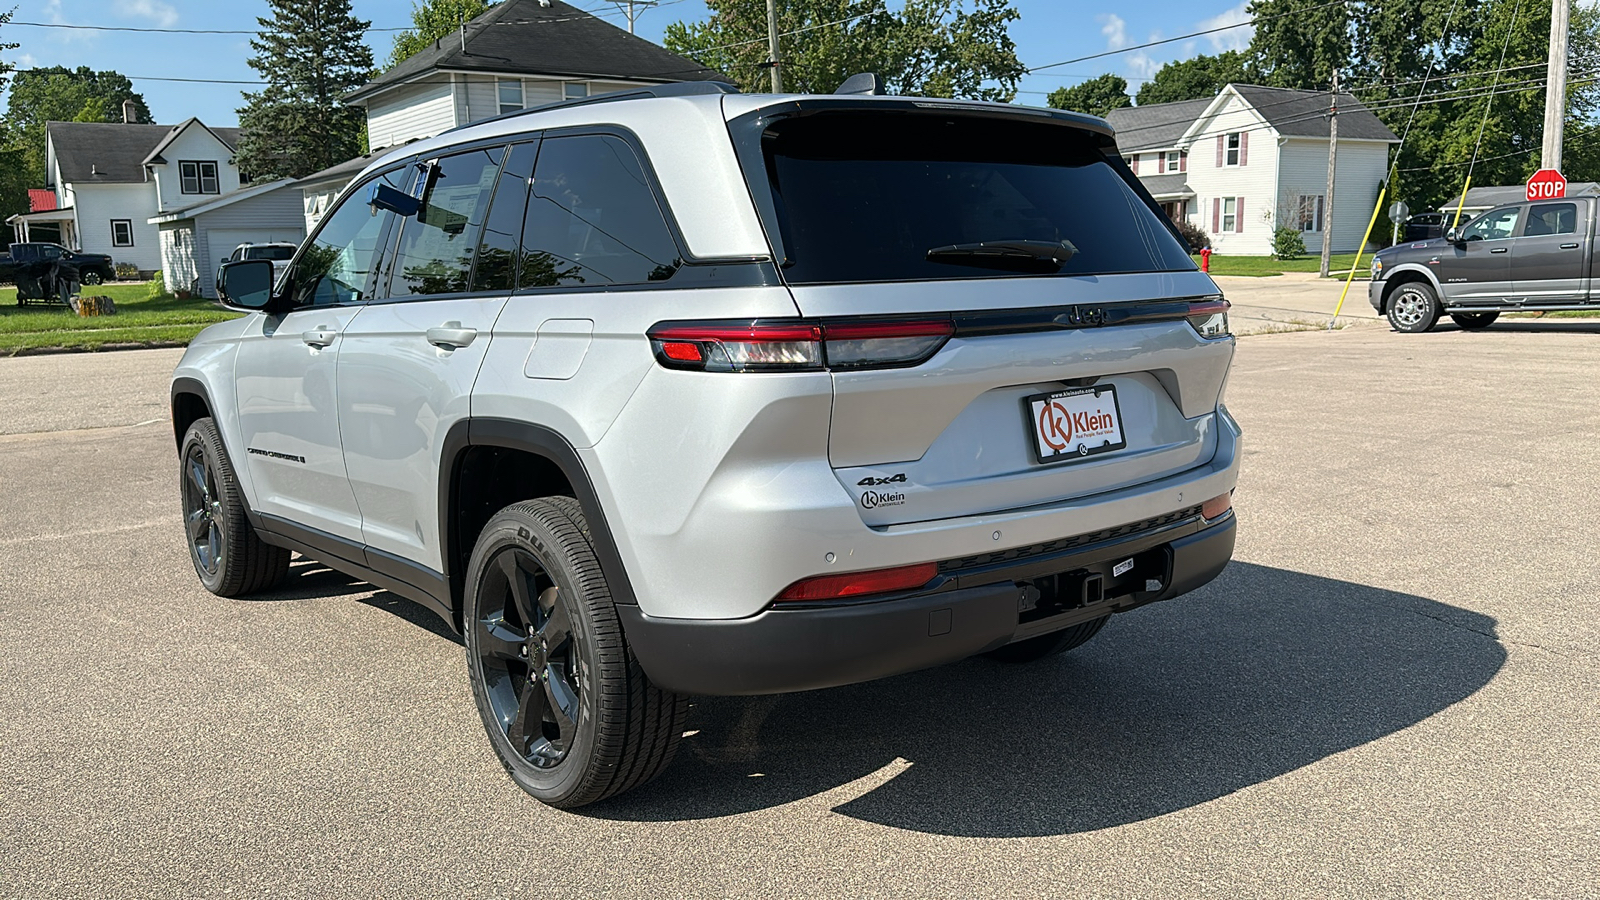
{"x":797,"y":347}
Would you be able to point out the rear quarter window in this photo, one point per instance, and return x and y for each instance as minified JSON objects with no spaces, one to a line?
{"x":863,"y":196}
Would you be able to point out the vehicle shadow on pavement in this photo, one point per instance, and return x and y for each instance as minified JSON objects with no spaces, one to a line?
{"x":1258,"y":674}
{"x":311,"y":580}
{"x":1527,"y":326}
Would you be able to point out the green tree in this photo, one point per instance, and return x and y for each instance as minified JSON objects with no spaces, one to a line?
{"x":1195,"y":79}
{"x":1300,"y":42}
{"x":931,"y":48}
{"x":1097,"y":96}
{"x":13,"y":168}
{"x":432,"y":21}
{"x":59,"y":94}
{"x":311,"y":53}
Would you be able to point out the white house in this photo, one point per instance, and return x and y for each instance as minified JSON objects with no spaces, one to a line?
{"x":519,"y":54}
{"x":198,"y":238}
{"x":1253,"y":158}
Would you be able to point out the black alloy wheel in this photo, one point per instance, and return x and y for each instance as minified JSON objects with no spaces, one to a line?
{"x":228,"y":555}
{"x":92,"y":277}
{"x":534,"y":672}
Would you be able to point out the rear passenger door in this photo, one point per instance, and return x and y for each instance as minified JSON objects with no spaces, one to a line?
{"x":1547,"y":260}
{"x":410,"y":358}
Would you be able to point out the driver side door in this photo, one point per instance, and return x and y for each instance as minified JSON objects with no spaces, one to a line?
{"x":1478,"y":270}
{"x":285,"y":371}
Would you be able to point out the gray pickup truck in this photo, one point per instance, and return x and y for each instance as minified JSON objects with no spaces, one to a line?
{"x":1521,"y":256}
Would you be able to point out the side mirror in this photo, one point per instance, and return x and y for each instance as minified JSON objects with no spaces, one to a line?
{"x":1454,"y":236}
{"x":382,"y":196}
{"x":246,"y":283}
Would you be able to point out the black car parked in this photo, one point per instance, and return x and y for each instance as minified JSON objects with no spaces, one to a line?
{"x":47,"y":273}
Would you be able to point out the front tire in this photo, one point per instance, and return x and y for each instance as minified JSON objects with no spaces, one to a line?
{"x":92,"y":277}
{"x":1474,"y":321}
{"x":568,"y":710}
{"x":1413,"y":308}
{"x":228,"y":555}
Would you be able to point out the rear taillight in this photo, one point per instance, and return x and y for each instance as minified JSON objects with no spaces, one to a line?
{"x":1210,"y":318}
{"x":861,"y":584}
{"x":790,"y":347}
{"x":1216,"y":506}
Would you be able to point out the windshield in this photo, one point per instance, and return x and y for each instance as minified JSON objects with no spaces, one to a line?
{"x":876,"y":196}
{"x":280,"y":254}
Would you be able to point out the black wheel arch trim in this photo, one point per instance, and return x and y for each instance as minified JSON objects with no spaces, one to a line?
{"x":539,"y":441}
{"x":181,"y":386}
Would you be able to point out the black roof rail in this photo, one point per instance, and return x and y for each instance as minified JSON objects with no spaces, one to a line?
{"x":674,"y":89}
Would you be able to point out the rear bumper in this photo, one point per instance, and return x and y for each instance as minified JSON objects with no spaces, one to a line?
{"x":970,"y":609}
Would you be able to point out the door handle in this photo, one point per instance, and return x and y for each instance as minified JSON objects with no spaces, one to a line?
{"x":451,"y":336}
{"x":1569,"y":246}
{"x":1499,"y":249}
{"x":319,"y":337}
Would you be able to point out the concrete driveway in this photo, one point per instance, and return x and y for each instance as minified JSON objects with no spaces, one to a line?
{"x":1392,"y":692}
{"x":1293,"y":301}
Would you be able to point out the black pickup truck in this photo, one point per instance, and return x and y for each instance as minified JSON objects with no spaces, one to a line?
{"x":1521,"y":256}
{"x":45,"y":272}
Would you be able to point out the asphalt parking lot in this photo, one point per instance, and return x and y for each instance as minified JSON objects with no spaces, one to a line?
{"x":1393,"y":691}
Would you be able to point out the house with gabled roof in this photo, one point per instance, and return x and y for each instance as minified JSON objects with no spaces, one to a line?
{"x":518,"y":54}
{"x":1252,"y":159}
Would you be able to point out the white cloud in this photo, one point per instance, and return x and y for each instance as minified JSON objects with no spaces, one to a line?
{"x":27,"y":61}
{"x":162,"y":14}
{"x":1115,"y":30}
{"x":1233,"y":38}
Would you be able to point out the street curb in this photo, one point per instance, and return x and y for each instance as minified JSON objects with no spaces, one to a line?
{"x":121,"y":345}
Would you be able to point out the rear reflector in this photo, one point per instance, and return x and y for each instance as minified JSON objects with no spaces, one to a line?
{"x":1216,"y":506}
{"x":860,"y":584}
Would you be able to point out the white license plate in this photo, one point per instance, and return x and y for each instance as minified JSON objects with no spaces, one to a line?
{"x":1075,"y":424}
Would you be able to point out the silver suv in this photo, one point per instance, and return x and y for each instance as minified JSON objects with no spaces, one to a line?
{"x":683,"y":391}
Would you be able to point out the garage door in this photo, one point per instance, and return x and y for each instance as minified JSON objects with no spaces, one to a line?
{"x":220,"y":244}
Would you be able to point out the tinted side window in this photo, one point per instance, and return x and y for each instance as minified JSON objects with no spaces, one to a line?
{"x":592,"y":218}
{"x":497,"y":251}
{"x":1552,"y":218}
{"x":336,"y":265}
{"x":437,"y":244}
{"x":1493,"y":226}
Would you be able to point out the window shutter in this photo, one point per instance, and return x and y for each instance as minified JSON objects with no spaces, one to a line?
{"x":1183,"y":161}
{"x":1216,"y":215}
{"x":1238,"y":212}
{"x":1244,"y":148}
{"x":1221,"y":148}
{"x":1161,"y":163}
{"x":1135,"y":166}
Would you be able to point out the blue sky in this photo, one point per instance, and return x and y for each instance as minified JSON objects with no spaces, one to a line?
{"x":1049,"y":31}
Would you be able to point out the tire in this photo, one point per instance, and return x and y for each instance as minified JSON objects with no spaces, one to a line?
{"x":537,"y":602}
{"x":90,"y":276}
{"x":229,"y":557}
{"x":1413,"y":308}
{"x":1474,"y":321}
{"x":1052,"y":644}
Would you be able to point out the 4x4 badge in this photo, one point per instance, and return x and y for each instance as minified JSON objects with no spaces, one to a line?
{"x":869,"y":481}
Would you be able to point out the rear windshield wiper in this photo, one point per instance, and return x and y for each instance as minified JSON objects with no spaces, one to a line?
{"x":1042,"y":256}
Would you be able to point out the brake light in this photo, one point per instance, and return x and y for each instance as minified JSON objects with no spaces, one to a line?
{"x":1209,"y":318}
{"x":861,"y":584}
{"x":805,"y":346}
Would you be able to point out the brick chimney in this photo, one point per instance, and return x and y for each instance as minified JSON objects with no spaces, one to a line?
{"x":130,"y":113}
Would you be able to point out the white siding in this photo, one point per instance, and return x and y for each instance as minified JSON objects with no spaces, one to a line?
{"x":97,"y":204}
{"x":1256,"y":180}
{"x":195,"y":144}
{"x":178,"y":254}
{"x":274,"y":216}
{"x":1361,"y":168}
{"x":412,"y":111}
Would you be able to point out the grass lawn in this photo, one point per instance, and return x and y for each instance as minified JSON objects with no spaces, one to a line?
{"x":1262,"y":266}
{"x":140,"y":319}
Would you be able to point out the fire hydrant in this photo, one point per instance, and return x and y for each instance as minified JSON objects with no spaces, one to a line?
{"x":1205,"y":259}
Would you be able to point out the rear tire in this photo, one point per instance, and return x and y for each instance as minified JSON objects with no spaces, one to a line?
{"x":568,"y":710}
{"x":1413,"y":308}
{"x":228,"y":555}
{"x":1052,"y":644}
{"x":1474,"y":321}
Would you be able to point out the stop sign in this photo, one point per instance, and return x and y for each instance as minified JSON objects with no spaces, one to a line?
{"x":1547,"y":184}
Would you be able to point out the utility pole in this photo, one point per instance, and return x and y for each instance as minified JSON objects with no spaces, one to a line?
{"x":772,"y":46}
{"x":1333,"y":159}
{"x":632,"y":13}
{"x":1555,"y":90}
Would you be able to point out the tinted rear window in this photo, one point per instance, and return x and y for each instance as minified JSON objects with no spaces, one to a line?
{"x":865,"y":196}
{"x":275,"y":253}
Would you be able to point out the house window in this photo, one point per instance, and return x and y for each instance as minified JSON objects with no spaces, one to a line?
{"x":510,"y":91}
{"x":122,"y":232}
{"x":1308,"y":212}
{"x":575,"y":90}
{"x":1233,"y":148}
{"x":197,"y":177}
{"x":1172,"y":160}
{"x":1230,"y":219}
